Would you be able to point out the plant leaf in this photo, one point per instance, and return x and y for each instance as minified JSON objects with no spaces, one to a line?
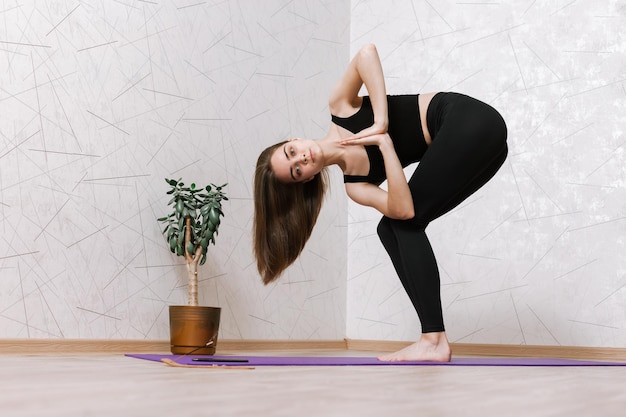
{"x":191,"y":248}
{"x":180,"y":205}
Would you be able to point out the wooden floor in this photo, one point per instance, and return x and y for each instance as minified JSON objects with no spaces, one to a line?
{"x":111,"y":385}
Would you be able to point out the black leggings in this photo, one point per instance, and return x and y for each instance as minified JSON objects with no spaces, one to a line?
{"x":468,"y":148}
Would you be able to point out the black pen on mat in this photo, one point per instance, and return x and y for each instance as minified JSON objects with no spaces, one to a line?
{"x":219,"y":360}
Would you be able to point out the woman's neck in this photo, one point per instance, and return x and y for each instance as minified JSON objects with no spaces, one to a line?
{"x":334,"y":152}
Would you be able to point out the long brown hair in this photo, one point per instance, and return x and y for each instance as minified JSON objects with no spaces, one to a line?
{"x":284,"y":216}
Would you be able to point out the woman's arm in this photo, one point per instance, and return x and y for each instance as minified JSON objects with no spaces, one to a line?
{"x":365,"y":68}
{"x":397,"y":201}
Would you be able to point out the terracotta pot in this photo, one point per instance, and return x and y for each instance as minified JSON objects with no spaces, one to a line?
{"x":192,"y":327}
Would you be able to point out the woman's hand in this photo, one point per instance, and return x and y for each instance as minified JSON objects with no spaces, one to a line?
{"x":379,"y":127}
{"x":396,"y":202}
{"x":362,"y":138}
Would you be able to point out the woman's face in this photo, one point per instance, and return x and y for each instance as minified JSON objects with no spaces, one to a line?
{"x":298,"y":160}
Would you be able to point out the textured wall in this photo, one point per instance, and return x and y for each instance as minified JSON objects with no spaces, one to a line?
{"x":99,"y":101}
{"x":537,"y":255}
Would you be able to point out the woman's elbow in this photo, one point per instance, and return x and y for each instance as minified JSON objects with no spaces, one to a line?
{"x":402,"y":214}
{"x":368,"y":49}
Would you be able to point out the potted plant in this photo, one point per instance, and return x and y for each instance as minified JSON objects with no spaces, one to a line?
{"x":189,"y":229}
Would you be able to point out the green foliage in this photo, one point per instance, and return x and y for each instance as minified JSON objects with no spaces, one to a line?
{"x":203,"y":206}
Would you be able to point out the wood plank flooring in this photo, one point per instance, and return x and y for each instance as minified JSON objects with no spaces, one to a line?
{"x":112,"y":385}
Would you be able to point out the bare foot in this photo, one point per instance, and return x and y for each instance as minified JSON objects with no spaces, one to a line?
{"x":432,"y":347}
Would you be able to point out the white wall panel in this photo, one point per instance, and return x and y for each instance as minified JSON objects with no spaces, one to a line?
{"x":101,"y":100}
{"x":536,"y":256}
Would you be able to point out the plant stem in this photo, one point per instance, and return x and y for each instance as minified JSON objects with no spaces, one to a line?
{"x":192,"y":268}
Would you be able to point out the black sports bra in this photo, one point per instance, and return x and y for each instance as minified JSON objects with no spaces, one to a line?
{"x":405,"y":130}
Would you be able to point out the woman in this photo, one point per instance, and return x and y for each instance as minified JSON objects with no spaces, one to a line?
{"x":460,"y":144}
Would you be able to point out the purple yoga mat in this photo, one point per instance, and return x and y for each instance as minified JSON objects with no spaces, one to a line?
{"x":362,"y":361}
